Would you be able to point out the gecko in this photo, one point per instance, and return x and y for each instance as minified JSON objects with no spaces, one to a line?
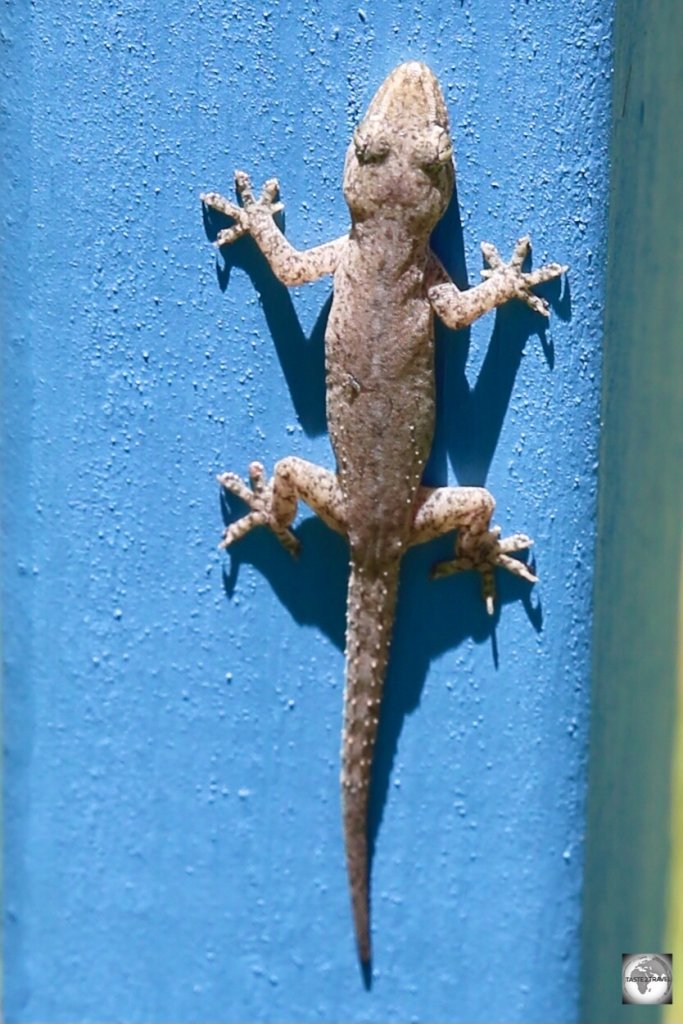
{"x":388,"y":285}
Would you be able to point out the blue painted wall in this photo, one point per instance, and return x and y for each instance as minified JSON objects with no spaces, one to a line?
{"x":173,"y":849}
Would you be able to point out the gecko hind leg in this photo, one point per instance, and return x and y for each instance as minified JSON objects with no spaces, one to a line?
{"x":273,"y":502}
{"x":468,"y":510}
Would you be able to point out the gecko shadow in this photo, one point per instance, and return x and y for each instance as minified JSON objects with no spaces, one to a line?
{"x":469,"y":420}
{"x":432,"y":617}
{"x":302,"y":359}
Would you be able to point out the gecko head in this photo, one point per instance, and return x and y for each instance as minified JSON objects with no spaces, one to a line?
{"x":401,"y":155}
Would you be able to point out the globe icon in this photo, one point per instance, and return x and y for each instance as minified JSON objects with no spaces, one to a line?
{"x":646,"y":979}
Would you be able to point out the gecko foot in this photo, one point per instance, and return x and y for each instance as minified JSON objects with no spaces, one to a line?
{"x":259,"y":498}
{"x":242,"y":215}
{"x":483,"y":551}
{"x":522,"y":282}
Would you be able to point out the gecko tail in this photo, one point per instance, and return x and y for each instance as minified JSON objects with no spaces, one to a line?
{"x":370,"y":614}
{"x":358,"y":868}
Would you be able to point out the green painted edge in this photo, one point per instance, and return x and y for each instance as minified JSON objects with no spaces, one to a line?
{"x":672,"y":1014}
{"x":629,"y":867}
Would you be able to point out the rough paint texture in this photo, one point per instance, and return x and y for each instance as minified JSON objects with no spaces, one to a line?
{"x":173,"y":842}
{"x":379,"y":357}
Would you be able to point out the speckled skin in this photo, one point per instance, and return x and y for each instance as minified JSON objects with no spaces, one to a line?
{"x":398,"y":180}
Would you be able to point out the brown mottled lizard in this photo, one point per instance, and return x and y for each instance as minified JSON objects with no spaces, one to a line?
{"x":379,"y":344}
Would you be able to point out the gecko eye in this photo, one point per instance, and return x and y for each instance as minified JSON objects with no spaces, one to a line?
{"x":370,"y":148}
{"x":436,"y":150}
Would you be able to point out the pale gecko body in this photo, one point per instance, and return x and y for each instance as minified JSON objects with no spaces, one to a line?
{"x":379,"y":344}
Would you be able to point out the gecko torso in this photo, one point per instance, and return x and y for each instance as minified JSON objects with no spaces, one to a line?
{"x":398,"y":180}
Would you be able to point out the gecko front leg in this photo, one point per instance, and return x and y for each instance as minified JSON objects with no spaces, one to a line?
{"x":255,"y":217}
{"x":273,"y":502}
{"x":504,"y":281}
{"x":468,"y":510}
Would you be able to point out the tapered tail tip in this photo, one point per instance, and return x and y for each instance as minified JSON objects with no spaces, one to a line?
{"x":366,"y":971}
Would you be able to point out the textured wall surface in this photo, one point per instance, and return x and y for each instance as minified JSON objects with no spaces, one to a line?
{"x":173,"y":846}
